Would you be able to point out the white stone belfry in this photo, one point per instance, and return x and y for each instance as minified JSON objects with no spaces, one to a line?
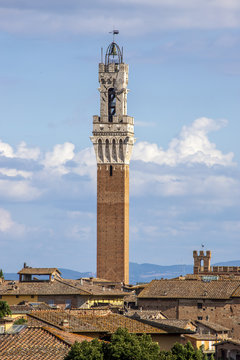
{"x":113,"y":130}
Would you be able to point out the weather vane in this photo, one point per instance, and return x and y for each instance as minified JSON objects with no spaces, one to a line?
{"x":114,"y":32}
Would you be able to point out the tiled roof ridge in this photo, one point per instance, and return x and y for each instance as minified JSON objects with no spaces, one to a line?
{"x":212,"y":325}
{"x":56,"y":334}
{"x":73,"y":286}
{"x":51,"y":331}
{"x":179,"y":289}
{"x":47,"y":270}
{"x":235,"y":291}
{"x":43,"y":320}
{"x":48,"y":321}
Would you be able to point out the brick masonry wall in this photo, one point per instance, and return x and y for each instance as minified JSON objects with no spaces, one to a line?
{"x":113,"y":223}
{"x":168,"y":306}
{"x":60,"y":300}
{"x":223,"y":312}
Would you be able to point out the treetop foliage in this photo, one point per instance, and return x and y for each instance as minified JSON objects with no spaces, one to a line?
{"x":4,"y":309}
{"x":125,"y":346}
{"x":1,"y":274}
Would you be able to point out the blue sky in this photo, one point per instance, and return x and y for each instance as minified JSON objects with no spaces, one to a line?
{"x":184,"y":61}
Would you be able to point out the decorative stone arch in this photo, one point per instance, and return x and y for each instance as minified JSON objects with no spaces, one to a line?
{"x":121,"y":155}
{"x":114,"y":149}
{"x":107,"y":150}
{"x":100,"y":149}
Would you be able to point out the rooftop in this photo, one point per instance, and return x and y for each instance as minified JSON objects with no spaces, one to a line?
{"x":85,"y":322}
{"x":38,"y":271}
{"x":213,"y":326}
{"x":32,"y":343}
{"x":191,"y":289}
{"x":206,"y":337}
{"x":56,"y":287}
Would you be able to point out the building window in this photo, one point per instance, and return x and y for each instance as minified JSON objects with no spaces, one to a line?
{"x":17,"y":296}
{"x":199,"y":317}
{"x":111,"y":104}
{"x":68,"y":304}
{"x":111,"y":170}
{"x":199,"y":305}
{"x":32,"y":296}
{"x":0,"y":296}
{"x":51,"y":302}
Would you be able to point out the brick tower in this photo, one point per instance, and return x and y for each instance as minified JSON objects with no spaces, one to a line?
{"x":113,"y":139}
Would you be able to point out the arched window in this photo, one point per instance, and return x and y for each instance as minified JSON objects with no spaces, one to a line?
{"x":114,"y":150}
{"x":121,"y":149}
{"x":107,"y":150}
{"x":111,"y":104}
{"x":100,"y":150}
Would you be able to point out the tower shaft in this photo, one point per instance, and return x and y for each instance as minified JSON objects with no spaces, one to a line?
{"x":113,"y":223}
{"x":113,"y":139}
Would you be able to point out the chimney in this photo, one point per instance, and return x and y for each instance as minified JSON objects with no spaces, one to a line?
{"x":65,"y":323}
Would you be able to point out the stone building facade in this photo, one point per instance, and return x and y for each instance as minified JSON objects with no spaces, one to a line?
{"x":113,"y":139}
{"x":217,"y":301}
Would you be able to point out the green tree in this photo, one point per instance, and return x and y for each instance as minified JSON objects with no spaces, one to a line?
{"x":1,"y":274}
{"x":4,"y":309}
{"x":86,"y":351}
{"x":125,"y":346}
{"x":122,"y":346}
{"x":186,"y":352}
{"x":20,"y":321}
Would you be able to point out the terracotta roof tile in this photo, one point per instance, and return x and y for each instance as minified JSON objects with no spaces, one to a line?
{"x":213,"y":326}
{"x":28,"y":307}
{"x":34,"y":344}
{"x":38,"y":271}
{"x":68,"y":337}
{"x":82,"y":323}
{"x":230,"y":341}
{"x":56,"y":287}
{"x":209,"y":337}
{"x":190,"y":289}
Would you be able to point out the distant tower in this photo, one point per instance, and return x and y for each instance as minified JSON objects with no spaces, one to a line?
{"x":113,"y":139}
{"x":202,"y":262}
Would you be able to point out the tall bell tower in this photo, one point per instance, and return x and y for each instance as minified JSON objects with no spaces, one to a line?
{"x":113,"y":139}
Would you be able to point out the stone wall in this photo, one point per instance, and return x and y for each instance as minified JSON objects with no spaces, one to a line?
{"x":223,"y":312}
{"x":113,"y":223}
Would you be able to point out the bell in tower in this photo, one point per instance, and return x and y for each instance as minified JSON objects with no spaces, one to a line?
{"x":113,"y":139}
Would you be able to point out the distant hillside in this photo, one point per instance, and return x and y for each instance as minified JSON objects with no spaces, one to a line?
{"x":138,"y":272}
{"x":66,"y":274}
{"x":228,"y":263}
{"x":148,"y":272}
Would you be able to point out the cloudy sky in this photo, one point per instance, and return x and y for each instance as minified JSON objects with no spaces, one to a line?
{"x":184,"y":85}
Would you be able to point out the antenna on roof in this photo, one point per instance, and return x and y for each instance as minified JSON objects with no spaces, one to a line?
{"x":114,"y":32}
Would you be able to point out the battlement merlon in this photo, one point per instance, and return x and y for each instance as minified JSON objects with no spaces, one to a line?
{"x":201,"y":253}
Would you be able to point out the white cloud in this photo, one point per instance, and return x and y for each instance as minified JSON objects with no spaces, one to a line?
{"x":85,"y":163}
{"x":6,"y":150}
{"x":56,"y":159}
{"x":18,"y":190}
{"x":14,"y":173}
{"x":23,"y":152}
{"x":133,"y":16}
{"x":7,"y":225}
{"x":192,"y":146}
